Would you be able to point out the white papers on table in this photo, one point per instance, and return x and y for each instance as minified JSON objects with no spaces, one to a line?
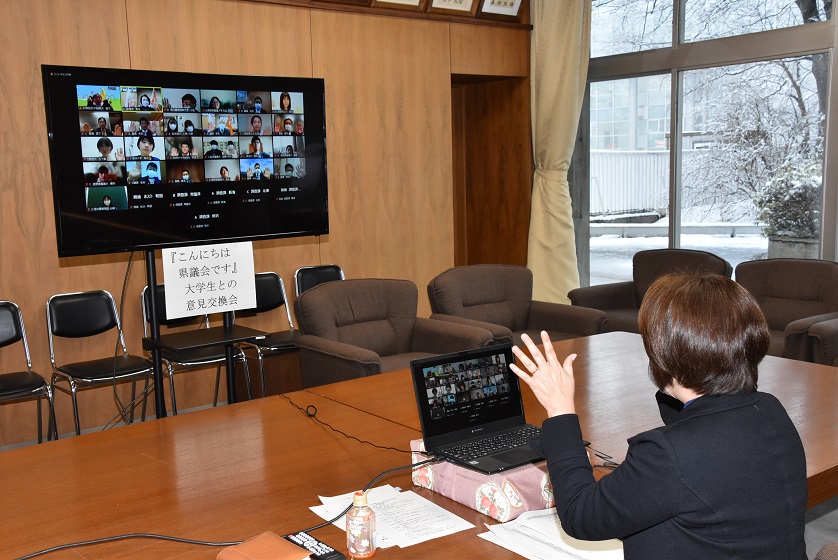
{"x":402,"y":518}
{"x":538,"y":535}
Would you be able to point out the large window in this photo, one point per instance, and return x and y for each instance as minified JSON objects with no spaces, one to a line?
{"x":739,"y":171}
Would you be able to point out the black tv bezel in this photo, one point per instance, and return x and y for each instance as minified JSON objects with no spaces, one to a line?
{"x":311,"y":205}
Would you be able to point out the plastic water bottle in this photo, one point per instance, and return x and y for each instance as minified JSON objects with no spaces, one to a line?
{"x":360,"y":528}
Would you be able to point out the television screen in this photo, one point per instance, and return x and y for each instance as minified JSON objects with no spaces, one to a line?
{"x":143,"y":159}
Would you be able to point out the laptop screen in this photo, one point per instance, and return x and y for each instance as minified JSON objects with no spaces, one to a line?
{"x":467,"y":393}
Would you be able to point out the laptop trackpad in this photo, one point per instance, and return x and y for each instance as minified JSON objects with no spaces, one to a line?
{"x":519,"y":455}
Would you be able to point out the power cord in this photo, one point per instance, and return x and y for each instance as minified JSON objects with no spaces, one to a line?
{"x":608,"y":461}
{"x":311,"y":412}
{"x":122,"y":409}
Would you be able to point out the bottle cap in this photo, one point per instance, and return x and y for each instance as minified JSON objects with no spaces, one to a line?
{"x":359,"y":499}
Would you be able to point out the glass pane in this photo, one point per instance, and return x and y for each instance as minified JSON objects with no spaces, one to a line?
{"x":622,"y":26}
{"x":753,"y":159}
{"x":629,"y":175}
{"x":710,"y":19}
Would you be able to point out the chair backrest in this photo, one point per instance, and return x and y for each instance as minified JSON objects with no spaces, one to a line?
{"x":494,"y":293}
{"x":648,"y":266}
{"x":12,"y":329}
{"x":307,"y":277}
{"x":790,"y":289}
{"x":160,"y":308}
{"x":82,"y":314}
{"x":373,"y":313}
{"x":270,"y":295}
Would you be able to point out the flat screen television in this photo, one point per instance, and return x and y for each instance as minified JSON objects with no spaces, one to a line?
{"x":143,"y":160}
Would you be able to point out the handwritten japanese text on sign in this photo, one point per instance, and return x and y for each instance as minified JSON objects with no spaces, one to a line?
{"x":209,"y":279}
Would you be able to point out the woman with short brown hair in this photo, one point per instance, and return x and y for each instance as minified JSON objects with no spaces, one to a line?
{"x":725,"y":477}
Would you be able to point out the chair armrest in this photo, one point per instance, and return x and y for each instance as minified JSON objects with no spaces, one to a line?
{"x":619,"y":295}
{"x":327,"y":361}
{"x":442,"y":337}
{"x":798,"y":344}
{"x":583,"y":321}
{"x":501,"y":334}
{"x":824,"y":338}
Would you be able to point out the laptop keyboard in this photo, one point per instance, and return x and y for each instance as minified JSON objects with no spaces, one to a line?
{"x":493,"y":444}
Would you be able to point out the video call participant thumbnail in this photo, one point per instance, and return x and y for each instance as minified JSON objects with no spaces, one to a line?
{"x":218,"y":101}
{"x":178,"y":100}
{"x":98,"y":98}
{"x":184,"y":172}
{"x":292,"y":168}
{"x":254,"y":124}
{"x":289,"y":146}
{"x":145,"y":147}
{"x":256,"y":169}
{"x":255,"y":146}
{"x":212,"y":149}
{"x":106,"y":198}
{"x":103,"y":173}
{"x":183,"y":124}
{"x":220,"y":124}
{"x":221,"y":170}
{"x":182,"y":147}
{"x":143,"y":124}
{"x":102,"y":148}
{"x":141,"y":99}
{"x":283,"y":125}
{"x":254,"y":102}
{"x":100,"y":123}
{"x":146,"y":172}
{"x":287,"y":102}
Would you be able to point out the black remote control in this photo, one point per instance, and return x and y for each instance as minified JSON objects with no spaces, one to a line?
{"x":319,"y":550}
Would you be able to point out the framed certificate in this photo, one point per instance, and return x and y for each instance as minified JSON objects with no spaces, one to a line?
{"x":413,"y":5}
{"x":454,"y":7}
{"x":509,"y":10}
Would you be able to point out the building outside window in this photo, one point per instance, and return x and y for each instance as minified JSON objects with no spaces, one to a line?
{"x":715,"y":141}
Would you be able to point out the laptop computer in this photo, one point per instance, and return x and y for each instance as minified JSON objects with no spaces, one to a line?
{"x":469,"y":402}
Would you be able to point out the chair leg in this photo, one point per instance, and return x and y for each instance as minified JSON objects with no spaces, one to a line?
{"x":146,"y":392}
{"x":247,"y":378}
{"x":133,"y":397}
{"x":40,"y":422}
{"x":52,"y":429}
{"x":75,"y":408}
{"x":217,"y":381}
{"x":172,"y":389}
{"x":262,"y":372}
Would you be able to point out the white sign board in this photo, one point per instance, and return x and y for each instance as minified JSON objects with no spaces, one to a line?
{"x":209,"y":279}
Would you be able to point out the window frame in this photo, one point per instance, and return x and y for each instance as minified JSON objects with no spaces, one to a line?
{"x":801,"y":40}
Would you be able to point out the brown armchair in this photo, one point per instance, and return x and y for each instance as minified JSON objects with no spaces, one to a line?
{"x":498,"y":298}
{"x":362,"y":327}
{"x":795,"y":295}
{"x":621,"y":300}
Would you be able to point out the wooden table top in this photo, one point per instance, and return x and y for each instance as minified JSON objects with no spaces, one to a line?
{"x":223,"y":474}
{"x":615,"y":400}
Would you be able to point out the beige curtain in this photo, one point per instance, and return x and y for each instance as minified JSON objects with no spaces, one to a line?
{"x":559,"y":68}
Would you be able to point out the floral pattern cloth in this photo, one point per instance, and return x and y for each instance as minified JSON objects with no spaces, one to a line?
{"x":502,"y":496}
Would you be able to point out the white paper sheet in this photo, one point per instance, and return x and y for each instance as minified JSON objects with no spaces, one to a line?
{"x":402,"y":518}
{"x":538,"y":535}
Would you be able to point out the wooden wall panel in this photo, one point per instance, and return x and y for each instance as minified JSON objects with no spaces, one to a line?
{"x":388,"y":107}
{"x":498,"y":171}
{"x":489,"y":51}
{"x":44,"y":32}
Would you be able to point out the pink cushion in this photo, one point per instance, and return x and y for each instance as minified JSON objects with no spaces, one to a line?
{"x":502,"y":496}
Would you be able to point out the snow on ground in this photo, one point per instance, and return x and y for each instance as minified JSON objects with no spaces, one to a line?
{"x":611,"y":255}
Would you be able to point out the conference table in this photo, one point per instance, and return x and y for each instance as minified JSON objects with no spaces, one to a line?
{"x":615,"y":399}
{"x":233,"y":472}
